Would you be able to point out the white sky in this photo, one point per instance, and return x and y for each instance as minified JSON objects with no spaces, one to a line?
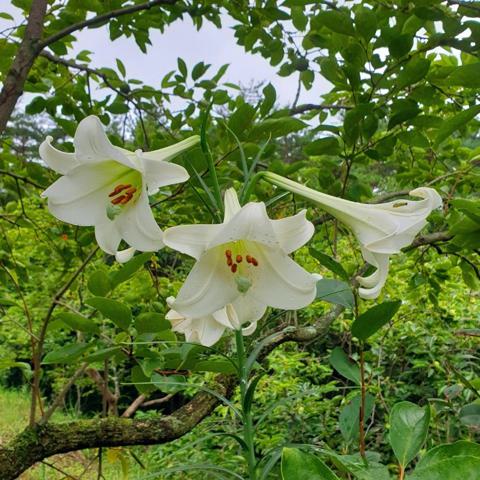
{"x":211,"y":45}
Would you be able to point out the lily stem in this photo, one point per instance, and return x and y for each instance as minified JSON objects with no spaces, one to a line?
{"x":247,"y":421}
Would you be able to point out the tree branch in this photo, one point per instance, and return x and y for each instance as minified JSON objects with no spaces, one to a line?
{"x":429,"y":239}
{"x":100,"y":19}
{"x":22,"y":179}
{"x":26,"y":54}
{"x":311,"y":106}
{"x":41,"y":441}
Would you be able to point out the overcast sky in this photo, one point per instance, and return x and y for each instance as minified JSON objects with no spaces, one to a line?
{"x":210,"y":44}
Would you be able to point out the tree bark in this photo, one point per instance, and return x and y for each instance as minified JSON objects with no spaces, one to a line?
{"x":27,"y":53}
{"x":39,"y":442}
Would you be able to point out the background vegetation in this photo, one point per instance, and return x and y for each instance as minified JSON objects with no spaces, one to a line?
{"x":401,"y":113}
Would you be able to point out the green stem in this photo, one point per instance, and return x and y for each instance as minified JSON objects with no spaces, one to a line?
{"x":211,"y":164}
{"x":247,"y":421}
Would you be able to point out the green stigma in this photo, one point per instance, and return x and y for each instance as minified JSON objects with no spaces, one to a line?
{"x":243,"y":283}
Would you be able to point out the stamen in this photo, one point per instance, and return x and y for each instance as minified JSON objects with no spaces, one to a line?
{"x":234,"y":267}
{"x":118,"y":200}
{"x":229,"y":261}
{"x":254,"y":262}
{"x":249,"y":258}
{"x":238,"y":258}
{"x":118,"y":189}
{"x":228,"y":253}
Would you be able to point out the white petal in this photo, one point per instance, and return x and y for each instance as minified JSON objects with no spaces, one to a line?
{"x":227,"y":317}
{"x":191,"y":239}
{"x":92,"y":144}
{"x":138,"y":227}
{"x":168,"y":153}
{"x":158,"y":174}
{"x":232,"y":205}
{"x":208,"y":287}
{"x":81,"y":196}
{"x":293,"y":232}
{"x":280,"y":282}
{"x":123,"y":256}
{"x":248,"y":309}
{"x":208,"y":330}
{"x":250,"y":223}
{"x":249,"y":330}
{"x":61,"y":162}
{"x":107,"y":236}
{"x":374,"y":283}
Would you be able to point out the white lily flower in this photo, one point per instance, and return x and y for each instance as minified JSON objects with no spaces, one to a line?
{"x":244,"y":259}
{"x":382,"y":229}
{"x":208,"y":329}
{"x":107,"y":187}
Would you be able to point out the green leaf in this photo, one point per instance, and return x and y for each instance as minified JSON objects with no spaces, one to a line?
{"x":241,"y":119}
{"x":103,"y":354}
{"x":277,"y":127}
{"x":329,"y":262}
{"x":117,"y":312}
{"x":414,"y":71}
{"x":400,"y":45}
{"x":99,"y":283}
{"x":373,"y":319}
{"x":465,"y":76}
{"x":335,"y":291}
{"x":337,"y":21}
{"x":452,"y":124}
{"x":366,"y":23}
{"x":78,"y":322}
{"x":141,"y":381}
{"x":470,"y":415}
{"x":219,"y":366}
{"x":182,"y":67}
{"x":403,"y":110}
{"x":151,"y":322}
{"x":349,"y":419}
{"x":66,"y":354}
{"x":455,"y":461}
{"x":323,"y":146}
{"x":355,"y":464}
{"x":298,"y":465}
{"x":414,"y":138}
{"x":342,"y":364}
{"x":199,"y":70}
{"x":408,"y":430}
{"x":270,"y":96}
{"x":130,"y":268}
{"x":121,"y":67}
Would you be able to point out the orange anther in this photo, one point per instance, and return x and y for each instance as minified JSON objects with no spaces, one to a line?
{"x":254,"y":262}
{"x":131,"y":191}
{"x":249,"y":258}
{"x":228,"y":253}
{"x":234,"y":268}
{"x":118,"y":200}
{"x":238,"y":258}
{"x":229,"y":261}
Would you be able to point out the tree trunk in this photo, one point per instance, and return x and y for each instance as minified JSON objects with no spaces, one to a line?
{"x":27,"y":53}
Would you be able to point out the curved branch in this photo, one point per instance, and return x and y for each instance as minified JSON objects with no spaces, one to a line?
{"x":429,"y":239}
{"x":41,"y":441}
{"x":99,"y":19}
{"x":311,"y":106}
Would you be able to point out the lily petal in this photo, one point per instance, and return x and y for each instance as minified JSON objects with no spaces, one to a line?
{"x":208,"y":287}
{"x":191,"y":239}
{"x":168,"y":153}
{"x":92,"y":144}
{"x":250,"y":223}
{"x":108,"y":237}
{"x":293,"y":232}
{"x":248,"y":308}
{"x":138,"y":227}
{"x":232,"y":205}
{"x":280,"y":282}
{"x":61,"y":162}
{"x":123,"y":256}
{"x":80,"y":196}
{"x":159,"y":174}
{"x":373,"y":284}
